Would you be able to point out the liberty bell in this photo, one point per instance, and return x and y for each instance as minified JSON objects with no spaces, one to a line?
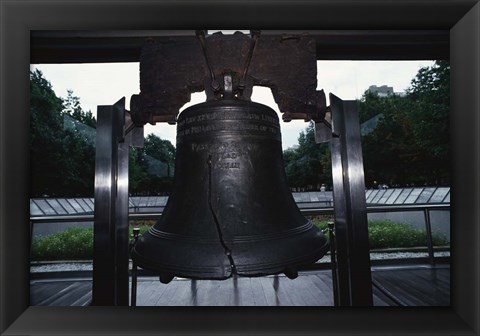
{"x":230,"y":210}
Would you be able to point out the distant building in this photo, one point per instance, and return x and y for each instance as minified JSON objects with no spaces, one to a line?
{"x":293,"y":147}
{"x":384,"y":91}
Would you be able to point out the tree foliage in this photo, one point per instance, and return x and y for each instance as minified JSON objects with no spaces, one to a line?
{"x":142,"y":182}
{"x":159,"y":149}
{"x":429,"y":114}
{"x":388,"y":151}
{"x":308,"y":165}
{"x":63,"y":161}
{"x":72,"y":107}
{"x":408,"y":146}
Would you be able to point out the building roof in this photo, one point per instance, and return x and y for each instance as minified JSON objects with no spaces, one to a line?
{"x":313,"y":199}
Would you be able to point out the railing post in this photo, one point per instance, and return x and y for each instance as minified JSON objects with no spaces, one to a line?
{"x":333,"y":261}
{"x":133,"y":299}
{"x":428,"y":231}
{"x":31,"y":233}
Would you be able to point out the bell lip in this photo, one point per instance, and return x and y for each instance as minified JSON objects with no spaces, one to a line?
{"x":204,"y":273}
{"x":258,"y":270}
{"x":214,"y":273}
{"x":161,"y":260}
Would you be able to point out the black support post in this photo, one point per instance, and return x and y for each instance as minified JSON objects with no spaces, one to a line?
{"x":428,"y":234}
{"x":109,"y":127}
{"x":121,"y":225}
{"x":341,"y":230}
{"x":110,"y":246}
{"x":351,"y":226}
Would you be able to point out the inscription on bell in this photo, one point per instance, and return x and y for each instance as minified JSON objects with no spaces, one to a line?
{"x":227,"y":115}
{"x":225,"y":150}
{"x":220,"y":123}
{"x":228,"y":165}
{"x":229,"y":156}
{"x":202,"y":129}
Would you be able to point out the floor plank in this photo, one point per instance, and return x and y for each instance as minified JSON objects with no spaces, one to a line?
{"x":410,"y":286}
{"x":244,"y":295}
{"x":414,"y":286}
{"x":258,"y":294}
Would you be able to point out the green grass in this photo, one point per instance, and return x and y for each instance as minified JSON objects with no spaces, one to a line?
{"x":77,"y":243}
{"x":389,"y":234}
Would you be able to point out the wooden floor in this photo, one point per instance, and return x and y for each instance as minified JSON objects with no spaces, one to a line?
{"x":414,"y":287}
{"x":392,"y":286}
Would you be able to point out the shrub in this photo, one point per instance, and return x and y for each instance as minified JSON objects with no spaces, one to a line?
{"x":71,"y":244}
{"x":321,"y":221}
{"x":390,"y":234}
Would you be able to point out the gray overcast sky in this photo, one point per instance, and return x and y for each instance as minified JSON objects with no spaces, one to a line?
{"x":104,"y":84}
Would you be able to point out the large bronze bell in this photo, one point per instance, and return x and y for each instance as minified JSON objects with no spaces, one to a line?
{"x":231,"y":211}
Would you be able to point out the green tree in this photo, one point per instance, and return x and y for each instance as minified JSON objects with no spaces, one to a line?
{"x":308,"y":165}
{"x":72,"y":107}
{"x":45,"y":130}
{"x":410,"y":144}
{"x":160,"y":149}
{"x":45,"y":107}
{"x":142,"y":180}
{"x":62,"y":162}
{"x":430,"y":118}
{"x":371,"y":104}
{"x":138,"y":175}
{"x":388,"y":150}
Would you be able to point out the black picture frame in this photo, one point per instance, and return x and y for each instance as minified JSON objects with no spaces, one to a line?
{"x":18,"y":18}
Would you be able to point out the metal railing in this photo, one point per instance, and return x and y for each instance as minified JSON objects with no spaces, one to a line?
{"x":425,"y":208}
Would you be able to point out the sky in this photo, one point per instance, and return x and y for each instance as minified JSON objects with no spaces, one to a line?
{"x":106,"y":83}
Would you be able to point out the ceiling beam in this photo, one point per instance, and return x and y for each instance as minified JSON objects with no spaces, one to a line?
{"x":56,"y":46}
